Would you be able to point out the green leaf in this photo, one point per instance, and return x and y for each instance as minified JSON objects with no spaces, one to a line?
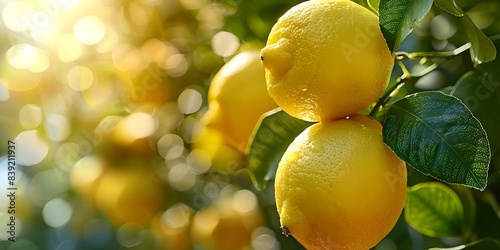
{"x":482,"y":48}
{"x":493,"y":66}
{"x":373,"y":4}
{"x":490,"y":244}
{"x":434,"y":209}
{"x":449,"y":6}
{"x":273,"y":133}
{"x":480,"y":91}
{"x":397,"y":17}
{"x":438,"y":135}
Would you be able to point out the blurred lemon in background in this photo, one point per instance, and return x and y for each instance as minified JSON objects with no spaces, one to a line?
{"x":228,"y":223}
{"x":237,"y":97}
{"x":129,"y":193}
{"x":223,"y":157}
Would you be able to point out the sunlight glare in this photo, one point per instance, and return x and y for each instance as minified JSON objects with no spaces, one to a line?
{"x":57,"y":212}
{"x":225,"y":44}
{"x":109,"y":41}
{"x":89,"y":30}
{"x":27,"y":56}
{"x":69,"y":48}
{"x":14,"y":15}
{"x":189,"y":101}
{"x":57,"y":127}
{"x":80,"y":78}
{"x":86,"y":171}
{"x":181,"y":178}
{"x":21,"y":55}
{"x":128,"y":58}
{"x":31,"y":150}
{"x":135,"y":126}
{"x":176,"y":65}
{"x":4,"y":90}
{"x":30,"y":116}
{"x":177,"y":217}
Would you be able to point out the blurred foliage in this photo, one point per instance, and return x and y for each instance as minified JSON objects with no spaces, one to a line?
{"x":104,"y":100}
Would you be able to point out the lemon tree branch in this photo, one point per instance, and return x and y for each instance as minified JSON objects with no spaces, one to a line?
{"x":407,"y":77}
{"x":416,"y":55}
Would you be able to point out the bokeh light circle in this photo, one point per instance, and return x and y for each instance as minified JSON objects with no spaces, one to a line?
{"x":31,"y":149}
{"x":89,"y":30}
{"x":57,"y":212}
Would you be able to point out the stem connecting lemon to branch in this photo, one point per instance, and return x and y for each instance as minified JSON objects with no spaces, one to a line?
{"x":409,"y":78}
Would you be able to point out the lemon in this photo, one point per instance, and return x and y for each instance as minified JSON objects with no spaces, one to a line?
{"x":129,"y":193}
{"x":228,"y":223}
{"x":237,"y":97}
{"x":326,"y":59}
{"x":339,"y":187}
{"x":222,"y":156}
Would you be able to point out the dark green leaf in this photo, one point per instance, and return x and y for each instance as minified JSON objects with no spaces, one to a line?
{"x":438,"y":135}
{"x":449,"y":6}
{"x":434,"y":209}
{"x":397,"y":17}
{"x":480,"y":91}
{"x":273,"y":133}
{"x":490,"y":244}
{"x":482,"y":48}
{"x":493,"y":66}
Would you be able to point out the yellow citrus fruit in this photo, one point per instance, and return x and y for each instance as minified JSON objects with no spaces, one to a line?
{"x":228,"y":223}
{"x":129,"y":193}
{"x":339,"y":187}
{"x":237,"y":97}
{"x":326,"y":59}
{"x":223,"y":157}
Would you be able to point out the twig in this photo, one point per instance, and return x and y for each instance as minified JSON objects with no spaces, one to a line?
{"x":407,"y":77}
{"x":405,"y":55}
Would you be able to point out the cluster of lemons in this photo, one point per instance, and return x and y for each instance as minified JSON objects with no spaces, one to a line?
{"x":227,"y":223}
{"x":130,"y":194}
{"x":337,"y":185}
{"x":237,"y":97}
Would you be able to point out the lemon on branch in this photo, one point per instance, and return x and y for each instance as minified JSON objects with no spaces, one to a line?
{"x":326,"y":59}
{"x":237,"y":97}
{"x":339,"y":187}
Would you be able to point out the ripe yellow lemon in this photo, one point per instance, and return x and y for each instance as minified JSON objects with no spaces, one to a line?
{"x":237,"y":97}
{"x":339,"y":187}
{"x":228,"y":223}
{"x":326,"y":59}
